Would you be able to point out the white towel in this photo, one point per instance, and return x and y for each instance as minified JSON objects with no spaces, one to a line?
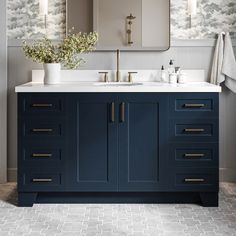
{"x":229,"y":64}
{"x":224,"y":64}
{"x":216,"y":76}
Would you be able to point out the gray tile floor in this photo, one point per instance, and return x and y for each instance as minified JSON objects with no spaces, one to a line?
{"x":117,"y":219}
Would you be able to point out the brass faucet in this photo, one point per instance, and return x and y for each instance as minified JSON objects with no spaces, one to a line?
{"x":118,"y":65}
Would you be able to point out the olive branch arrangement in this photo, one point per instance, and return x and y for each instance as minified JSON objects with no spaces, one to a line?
{"x":65,"y":52}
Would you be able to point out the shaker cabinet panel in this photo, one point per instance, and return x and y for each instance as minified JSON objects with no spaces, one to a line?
{"x":92,"y":164}
{"x":194,"y":105}
{"x":38,"y":104}
{"x":141,"y":135}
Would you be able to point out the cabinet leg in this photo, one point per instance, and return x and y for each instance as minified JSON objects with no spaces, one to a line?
{"x":26,"y":199}
{"x":209,"y":199}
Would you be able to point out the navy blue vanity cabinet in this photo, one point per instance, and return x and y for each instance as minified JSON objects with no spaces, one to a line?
{"x":41,"y":145}
{"x":118,"y":148}
{"x":143,"y":123}
{"x":194,"y":145}
{"x":92,"y":164}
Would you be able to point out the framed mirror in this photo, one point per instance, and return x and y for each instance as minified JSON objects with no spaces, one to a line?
{"x":130,"y":25}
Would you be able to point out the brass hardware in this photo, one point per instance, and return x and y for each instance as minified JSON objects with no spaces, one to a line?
{"x":194,"y":130}
{"x":42,"y":130}
{"x":190,"y":155}
{"x":130,"y":79}
{"x":105,"y":76}
{"x":194,"y":105}
{"x":129,"y":32}
{"x":41,"y":155}
{"x":122,"y":112}
{"x":113,"y":112}
{"x":130,"y":19}
{"x":117,"y":65}
{"x":194,"y":180}
{"x":42,"y":180}
{"x":41,"y":105}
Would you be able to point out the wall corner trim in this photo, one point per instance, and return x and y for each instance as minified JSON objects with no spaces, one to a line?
{"x":196,"y":42}
{"x":3,"y":91}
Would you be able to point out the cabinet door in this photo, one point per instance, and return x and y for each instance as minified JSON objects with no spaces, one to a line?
{"x":92,"y":164}
{"x":142,"y":142}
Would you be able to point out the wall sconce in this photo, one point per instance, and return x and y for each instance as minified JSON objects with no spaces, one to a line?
{"x":43,"y":10}
{"x":192,"y":7}
{"x":43,"y":7}
{"x":192,"y":10}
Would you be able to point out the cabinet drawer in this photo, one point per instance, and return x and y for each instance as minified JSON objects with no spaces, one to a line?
{"x":194,"y":179}
{"x":39,"y":104}
{"x":39,"y":180}
{"x":37,"y":128}
{"x":44,"y":154}
{"x":196,"y":105}
{"x":191,"y":130}
{"x":200,"y":154}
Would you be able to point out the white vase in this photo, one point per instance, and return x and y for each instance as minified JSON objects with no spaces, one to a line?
{"x":52,"y":73}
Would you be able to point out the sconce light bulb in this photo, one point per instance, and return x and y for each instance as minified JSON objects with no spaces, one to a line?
{"x":192,"y":7}
{"x":43,"y":7}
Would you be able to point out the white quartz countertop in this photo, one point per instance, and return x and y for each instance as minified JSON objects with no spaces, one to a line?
{"x":93,"y":87}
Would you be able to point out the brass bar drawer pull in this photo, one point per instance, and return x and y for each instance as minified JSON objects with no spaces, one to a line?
{"x":113,"y":112}
{"x":194,"y":105}
{"x":122,"y":112}
{"x":194,"y":130}
{"x":194,"y":180}
{"x":192,"y":155}
{"x":42,"y":130}
{"x":41,"y":105}
{"x":41,"y":155}
{"x":42,"y":180}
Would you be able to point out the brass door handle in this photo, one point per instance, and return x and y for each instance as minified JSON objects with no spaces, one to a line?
{"x":112,"y":112}
{"x":194,"y":105}
{"x":41,"y":155}
{"x":41,"y":105}
{"x":122,"y":118}
{"x":42,"y":180}
{"x":42,"y":130}
{"x":192,"y":155}
{"x":194,"y":180}
{"x":194,"y":130}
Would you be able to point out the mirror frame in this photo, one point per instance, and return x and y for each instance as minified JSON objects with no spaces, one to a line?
{"x":138,"y":49}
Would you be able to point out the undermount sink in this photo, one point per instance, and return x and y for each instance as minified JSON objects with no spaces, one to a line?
{"x":117,"y":84}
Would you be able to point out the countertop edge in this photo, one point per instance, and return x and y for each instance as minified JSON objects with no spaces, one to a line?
{"x":89,"y":88}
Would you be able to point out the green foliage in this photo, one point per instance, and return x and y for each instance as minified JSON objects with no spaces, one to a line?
{"x":66,"y":52}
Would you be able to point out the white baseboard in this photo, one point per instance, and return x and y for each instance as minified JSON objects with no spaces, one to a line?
{"x":11,"y":174}
{"x":226,"y":175}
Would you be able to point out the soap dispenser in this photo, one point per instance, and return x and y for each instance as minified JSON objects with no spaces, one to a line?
{"x":163,"y":75}
{"x":171,"y":68}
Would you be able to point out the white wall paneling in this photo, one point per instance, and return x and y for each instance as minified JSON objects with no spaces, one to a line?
{"x":3,"y":93}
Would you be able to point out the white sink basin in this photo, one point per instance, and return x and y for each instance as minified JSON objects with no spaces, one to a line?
{"x":117,"y":84}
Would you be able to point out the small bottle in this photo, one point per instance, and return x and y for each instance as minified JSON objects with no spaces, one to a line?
{"x":173,"y":78}
{"x":163,"y":74}
{"x":182,"y":78}
{"x":171,"y":68}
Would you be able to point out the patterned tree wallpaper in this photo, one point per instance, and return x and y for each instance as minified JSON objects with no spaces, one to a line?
{"x":213,"y":17}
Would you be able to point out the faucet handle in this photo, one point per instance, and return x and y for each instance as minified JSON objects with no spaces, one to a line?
{"x":105,"y":73}
{"x":130,"y":79}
